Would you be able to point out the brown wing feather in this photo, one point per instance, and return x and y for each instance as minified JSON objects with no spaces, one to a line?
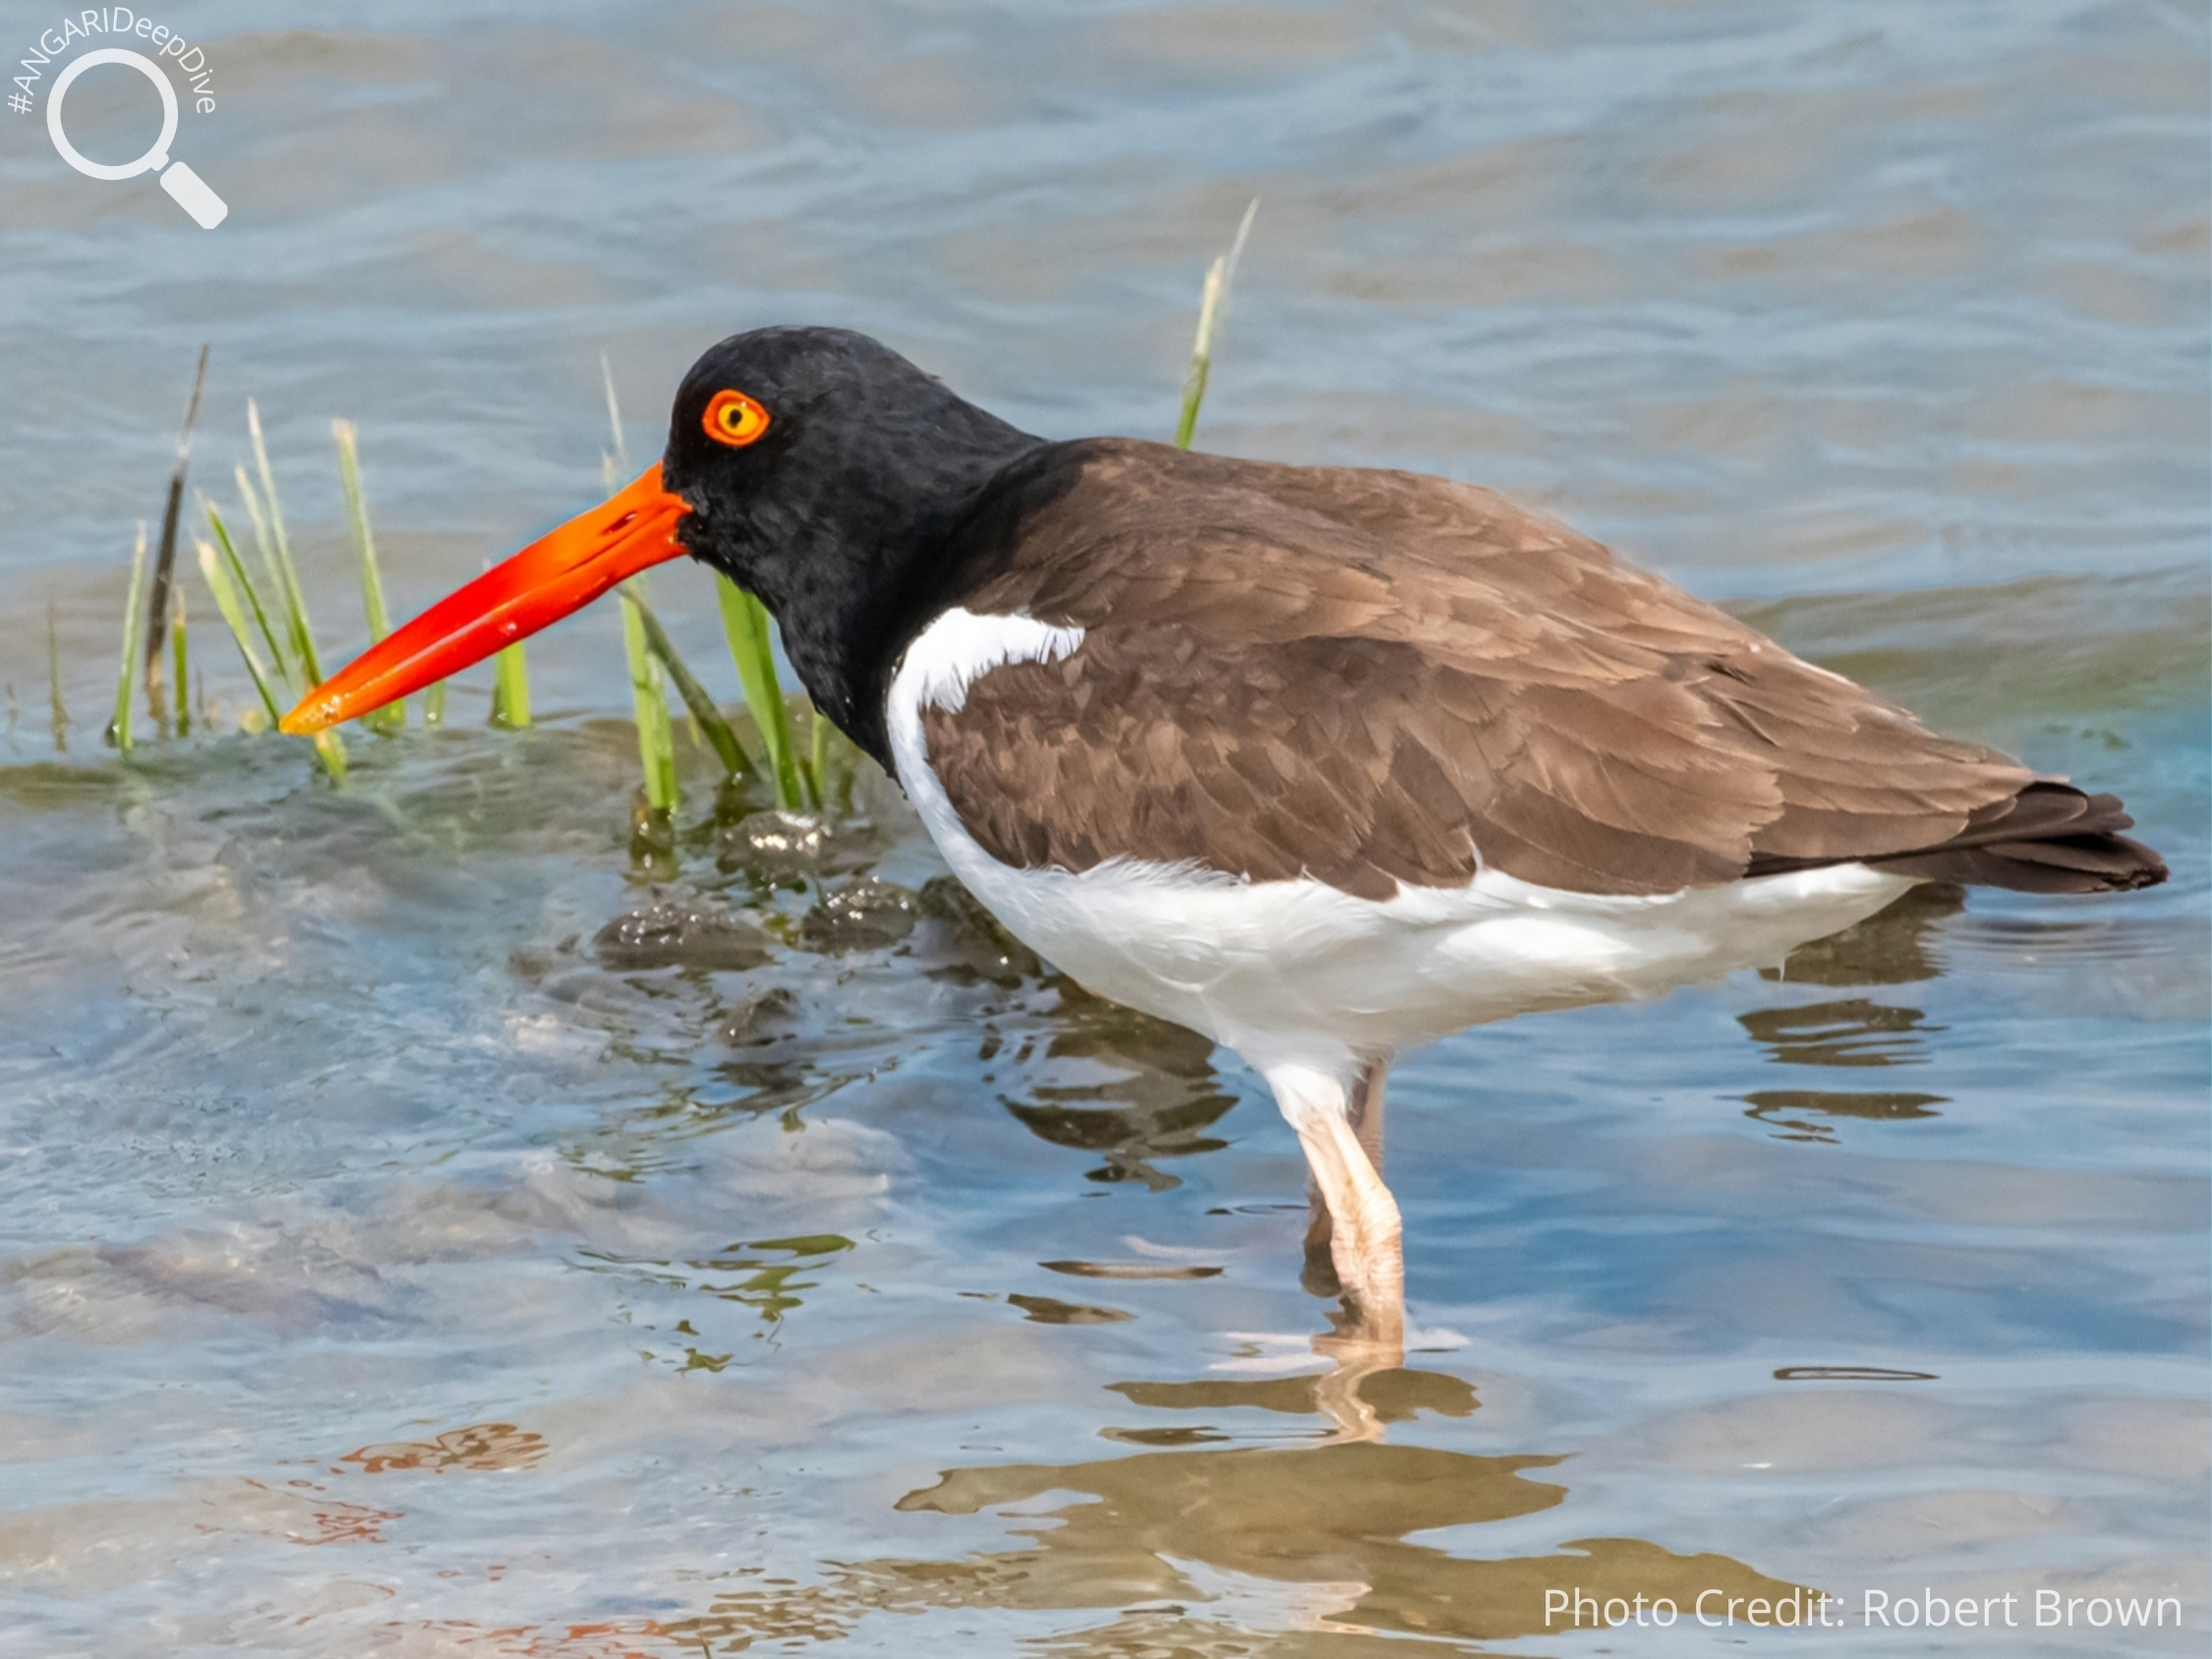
{"x":1374,"y":677}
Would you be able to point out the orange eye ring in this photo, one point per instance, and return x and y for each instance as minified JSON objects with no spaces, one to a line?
{"x":734,"y":419}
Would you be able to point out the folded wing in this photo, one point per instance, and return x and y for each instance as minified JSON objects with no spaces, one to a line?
{"x":1374,"y":678}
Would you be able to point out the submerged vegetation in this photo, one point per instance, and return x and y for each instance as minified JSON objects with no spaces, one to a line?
{"x":264,"y":606}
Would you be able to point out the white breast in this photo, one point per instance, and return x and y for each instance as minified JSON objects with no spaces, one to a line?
{"x":1299,"y":973}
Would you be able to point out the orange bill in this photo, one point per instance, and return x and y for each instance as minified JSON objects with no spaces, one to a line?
{"x":554,"y":575}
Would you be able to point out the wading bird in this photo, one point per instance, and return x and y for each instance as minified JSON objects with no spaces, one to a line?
{"x":1320,"y":762}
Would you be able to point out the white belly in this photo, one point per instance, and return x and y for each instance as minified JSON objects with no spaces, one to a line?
{"x":1299,"y":973}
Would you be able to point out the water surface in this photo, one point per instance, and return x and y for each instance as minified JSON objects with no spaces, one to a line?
{"x":392,"y":1260}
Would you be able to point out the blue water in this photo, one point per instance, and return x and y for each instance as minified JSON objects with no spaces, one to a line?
{"x":386,"y":1265}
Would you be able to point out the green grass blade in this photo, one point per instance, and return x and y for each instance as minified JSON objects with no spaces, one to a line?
{"x":1212,"y":303}
{"x":217,"y":574}
{"x":282,"y":645}
{"x":119,"y":730}
{"x":616,"y":467}
{"x":363,"y":539}
{"x":433,"y":705}
{"x":235,"y":568}
{"x":1201,"y":360}
{"x":817,"y":763}
{"x":393,"y":715}
{"x":249,"y":499}
{"x":510,"y":687}
{"x":745,"y":620}
{"x":294,"y":599}
{"x":331,"y":750}
{"x":708,"y":718}
{"x":53,"y":681}
{"x":180,"y":661}
{"x":656,"y":739}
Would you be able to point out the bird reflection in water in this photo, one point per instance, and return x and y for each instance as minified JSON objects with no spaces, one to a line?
{"x":1896,"y":947}
{"x":1206,"y":1543}
{"x":1130,"y":1088}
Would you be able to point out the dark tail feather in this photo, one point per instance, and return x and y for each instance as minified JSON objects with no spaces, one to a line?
{"x":2077,"y":863}
{"x":2049,"y":838}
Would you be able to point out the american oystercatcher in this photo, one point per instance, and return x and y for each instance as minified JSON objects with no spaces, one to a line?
{"x":1321,"y":762}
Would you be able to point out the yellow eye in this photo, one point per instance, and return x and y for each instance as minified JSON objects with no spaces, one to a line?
{"x":734,"y":419}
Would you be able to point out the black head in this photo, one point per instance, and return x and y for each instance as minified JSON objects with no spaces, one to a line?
{"x":821,"y":470}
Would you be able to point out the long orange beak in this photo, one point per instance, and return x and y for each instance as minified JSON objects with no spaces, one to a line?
{"x":556,"y":574}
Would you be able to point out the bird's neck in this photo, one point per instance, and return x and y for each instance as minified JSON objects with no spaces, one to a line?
{"x":866,"y":561}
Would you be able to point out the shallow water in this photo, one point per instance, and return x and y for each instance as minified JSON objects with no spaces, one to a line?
{"x":391,"y":1259}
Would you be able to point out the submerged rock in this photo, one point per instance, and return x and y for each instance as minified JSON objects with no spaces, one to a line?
{"x":786,"y":845}
{"x":868,"y":915}
{"x":679,"y":935}
{"x":766,"y":1017}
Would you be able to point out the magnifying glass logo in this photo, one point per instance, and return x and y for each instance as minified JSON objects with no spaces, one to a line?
{"x":185,"y":187}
